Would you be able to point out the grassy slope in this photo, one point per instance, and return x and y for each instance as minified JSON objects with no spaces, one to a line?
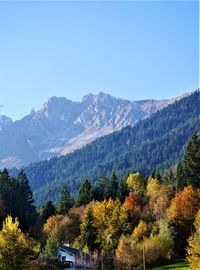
{"x":175,"y":265}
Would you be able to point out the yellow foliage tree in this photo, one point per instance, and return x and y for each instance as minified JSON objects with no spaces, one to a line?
{"x":141,"y":231}
{"x":159,"y":197}
{"x":135,"y":183}
{"x":108,"y":223}
{"x":129,"y":253}
{"x":193,"y":249}
{"x":57,"y":228}
{"x":16,"y":248}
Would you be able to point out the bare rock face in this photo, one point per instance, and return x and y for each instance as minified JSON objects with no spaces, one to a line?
{"x":61,"y":126}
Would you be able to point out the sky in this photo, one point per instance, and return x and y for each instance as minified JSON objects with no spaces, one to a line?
{"x":130,"y":49}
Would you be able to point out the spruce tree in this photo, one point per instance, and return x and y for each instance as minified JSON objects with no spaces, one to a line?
{"x":181,"y":182}
{"x":5,"y":190}
{"x":191,"y":164}
{"x":88,"y":231}
{"x":101,"y":190}
{"x":122,"y":190}
{"x":27,"y":211}
{"x":48,"y":210}
{"x":66,"y":202}
{"x":113,"y":186}
{"x":84,"y":195}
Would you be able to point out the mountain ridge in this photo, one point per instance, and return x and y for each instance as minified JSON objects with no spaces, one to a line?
{"x":153,"y":143}
{"x":62,"y":126}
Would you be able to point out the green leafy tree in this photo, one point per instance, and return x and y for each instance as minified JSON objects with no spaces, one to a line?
{"x":84,"y":195}
{"x":191,"y":164}
{"x":16,"y":248}
{"x":66,"y":202}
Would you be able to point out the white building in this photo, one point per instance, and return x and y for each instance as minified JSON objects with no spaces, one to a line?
{"x":72,"y":257}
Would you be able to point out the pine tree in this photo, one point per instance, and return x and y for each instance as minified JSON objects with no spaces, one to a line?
{"x":191,"y":165}
{"x":180,"y":177}
{"x":101,"y":190}
{"x":84,"y":195}
{"x":123,"y":191}
{"x":66,"y":202}
{"x":113,"y":186}
{"x":88,"y":231}
{"x":48,"y":210}
{"x":27,"y":211}
{"x":5,"y":191}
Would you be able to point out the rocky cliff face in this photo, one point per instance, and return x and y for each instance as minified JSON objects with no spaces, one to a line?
{"x":62,"y":126}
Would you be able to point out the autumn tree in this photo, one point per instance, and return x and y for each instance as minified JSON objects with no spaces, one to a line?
{"x":108,"y":222}
{"x":193,"y":250}
{"x":135,"y":183}
{"x":181,"y":215}
{"x":128,"y":255}
{"x":16,"y":248}
{"x":157,"y":247}
{"x":131,"y":210}
{"x":56,"y":228}
{"x":63,"y":229}
{"x":159,"y":197}
{"x":141,"y":231}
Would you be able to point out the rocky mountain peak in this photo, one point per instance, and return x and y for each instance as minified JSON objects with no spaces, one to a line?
{"x":62,"y":125}
{"x":5,"y":121}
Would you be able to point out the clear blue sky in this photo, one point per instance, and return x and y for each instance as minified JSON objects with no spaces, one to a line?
{"x":133,"y":50}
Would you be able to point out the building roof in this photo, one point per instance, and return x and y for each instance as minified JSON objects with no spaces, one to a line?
{"x":72,"y":251}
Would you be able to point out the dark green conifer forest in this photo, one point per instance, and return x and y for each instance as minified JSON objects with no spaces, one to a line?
{"x":153,"y":144}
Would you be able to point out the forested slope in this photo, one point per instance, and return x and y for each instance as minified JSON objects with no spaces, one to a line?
{"x":156,"y":142}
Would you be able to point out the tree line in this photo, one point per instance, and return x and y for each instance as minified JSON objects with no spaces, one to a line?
{"x":152,"y":144}
{"x":113,"y":220}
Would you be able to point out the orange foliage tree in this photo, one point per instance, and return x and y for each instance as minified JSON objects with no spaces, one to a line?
{"x":132,"y":209}
{"x":181,"y":215}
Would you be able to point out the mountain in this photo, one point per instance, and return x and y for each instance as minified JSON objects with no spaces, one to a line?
{"x":5,"y":122}
{"x":62,"y":126}
{"x":153,"y":143}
